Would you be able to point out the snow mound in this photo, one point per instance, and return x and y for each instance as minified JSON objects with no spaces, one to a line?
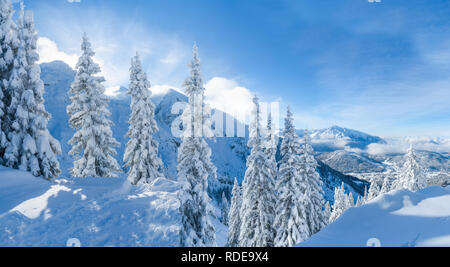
{"x":398,"y":219}
{"x":96,"y":212}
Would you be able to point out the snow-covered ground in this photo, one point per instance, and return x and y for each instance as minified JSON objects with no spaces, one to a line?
{"x":110,"y":212}
{"x":397,"y":219}
{"x":97,"y":212}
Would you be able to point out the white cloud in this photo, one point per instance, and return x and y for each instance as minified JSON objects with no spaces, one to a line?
{"x":74,"y":1}
{"x":228,"y":96}
{"x":48,"y":52}
{"x":112,"y":90}
{"x":401,"y":145}
{"x":173,"y":58}
{"x":221,"y":93}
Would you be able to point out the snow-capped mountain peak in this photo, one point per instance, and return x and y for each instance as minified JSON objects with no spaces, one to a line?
{"x":339,"y":133}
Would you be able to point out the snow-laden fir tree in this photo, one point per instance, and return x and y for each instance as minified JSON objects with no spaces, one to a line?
{"x":412,"y":176}
{"x":269,"y":183}
{"x":342,"y":202}
{"x":14,"y":90}
{"x":234,"y":216}
{"x":390,"y":179}
{"x":327,"y":211}
{"x":314,"y":201}
{"x":30,"y":147}
{"x":350,"y":200}
{"x":194,"y":164}
{"x":93,"y":144}
{"x":375,"y":187}
{"x":257,"y":211}
{"x":270,"y":150}
{"x":365,"y":197}
{"x":290,"y":222}
{"x":225,"y":209}
{"x":359,"y":201}
{"x":141,"y":153}
{"x":8,"y":43}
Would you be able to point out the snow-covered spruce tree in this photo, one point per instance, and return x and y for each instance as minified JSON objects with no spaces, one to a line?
{"x":350,"y":200}
{"x":30,"y":147}
{"x":141,"y":153}
{"x":327,"y":211}
{"x":93,"y":142}
{"x":365,"y":198}
{"x":359,"y":201}
{"x":412,"y":176}
{"x":375,"y":187}
{"x":268,"y":183}
{"x":8,"y":42}
{"x":314,"y":201}
{"x":225,"y":209}
{"x":257,"y":211}
{"x":290,"y":222}
{"x":234,"y":216}
{"x":270,"y":150}
{"x":341,"y":203}
{"x":194,"y":164}
{"x":390,"y":179}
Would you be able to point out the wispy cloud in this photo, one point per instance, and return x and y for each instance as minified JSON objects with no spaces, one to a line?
{"x":401,"y":145}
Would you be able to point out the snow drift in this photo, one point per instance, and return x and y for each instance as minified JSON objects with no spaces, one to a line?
{"x":97,"y":212}
{"x":398,"y":219}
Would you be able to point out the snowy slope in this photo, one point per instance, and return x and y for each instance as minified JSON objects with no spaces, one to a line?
{"x":398,"y":219}
{"x":351,"y":162}
{"x":98,"y":212}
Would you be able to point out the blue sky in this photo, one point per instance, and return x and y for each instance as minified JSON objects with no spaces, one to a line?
{"x":382,"y":68}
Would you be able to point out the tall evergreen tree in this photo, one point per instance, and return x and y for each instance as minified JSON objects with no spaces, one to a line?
{"x":30,"y":147}
{"x":314,"y":200}
{"x":350,"y":200}
{"x":194,"y":164}
{"x":291,"y":221}
{"x":412,"y":176}
{"x":141,"y":153}
{"x":268,"y":183}
{"x":8,"y":43}
{"x":375,"y":187}
{"x":225,"y":209}
{"x":93,"y":143}
{"x":365,"y":198}
{"x":360,"y":201}
{"x":257,"y":212}
{"x":342,"y":202}
{"x":327,"y":211}
{"x":270,"y":150}
{"x":234,"y":221}
{"x":390,"y":179}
